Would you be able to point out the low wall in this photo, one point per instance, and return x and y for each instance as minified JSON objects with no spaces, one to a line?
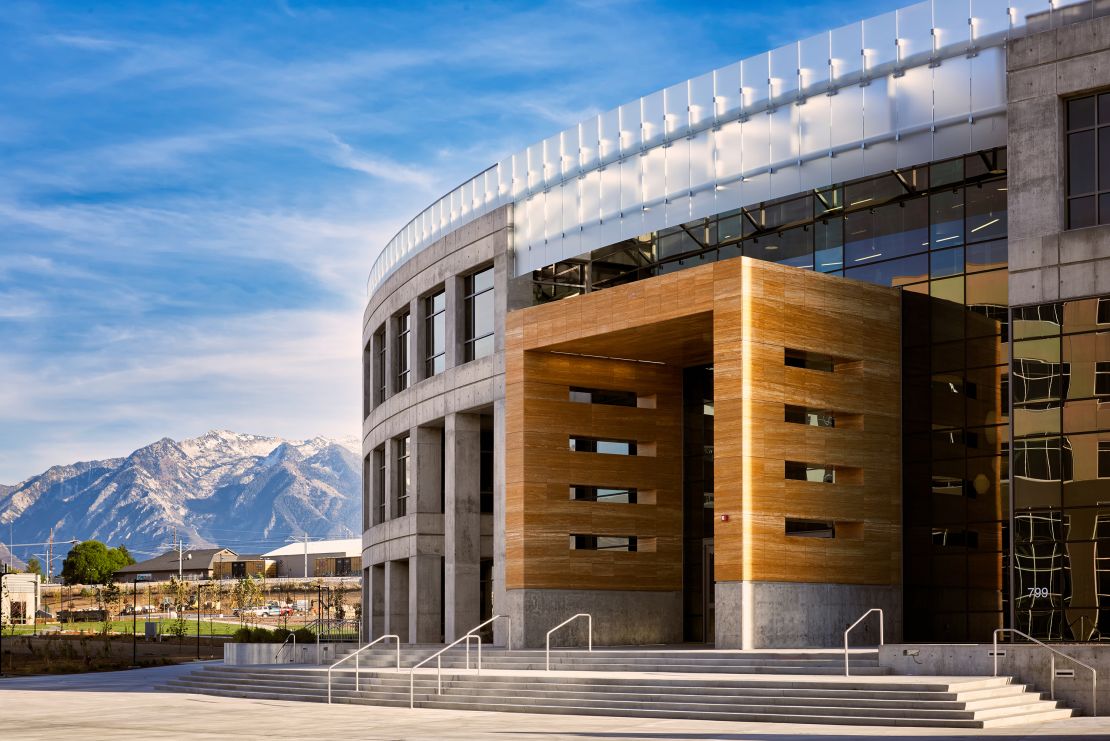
{"x":1027,"y":663}
{"x":245,"y":654}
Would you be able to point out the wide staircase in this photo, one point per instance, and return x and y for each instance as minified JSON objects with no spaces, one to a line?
{"x":771,"y":686}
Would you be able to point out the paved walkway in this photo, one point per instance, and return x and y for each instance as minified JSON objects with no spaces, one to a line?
{"x":121,"y":706}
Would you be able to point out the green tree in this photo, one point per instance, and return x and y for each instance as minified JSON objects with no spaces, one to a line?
{"x":33,"y":566}
{"x":92,"y":562}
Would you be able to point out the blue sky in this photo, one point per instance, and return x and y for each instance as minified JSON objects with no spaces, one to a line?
{"x":191,"y":194}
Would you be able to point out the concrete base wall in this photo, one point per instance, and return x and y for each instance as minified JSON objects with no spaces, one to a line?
{"x":245,"y":654}
{"x":619,"y":617}
{"x":1026,"y":663}
{"x":802,"y":615}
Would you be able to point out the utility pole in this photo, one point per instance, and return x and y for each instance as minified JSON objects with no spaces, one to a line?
{"x":50,"y":558}
{"x":306,"y":554}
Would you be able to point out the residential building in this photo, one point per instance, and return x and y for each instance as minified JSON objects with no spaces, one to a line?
{"x":335,"y":557}
{"x":192,"y":564}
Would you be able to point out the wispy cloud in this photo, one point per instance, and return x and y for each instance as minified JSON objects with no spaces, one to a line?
{"x":193,"y":194}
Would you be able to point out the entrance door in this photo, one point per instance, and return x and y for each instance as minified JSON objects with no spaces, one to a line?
{"x":708,"y":589}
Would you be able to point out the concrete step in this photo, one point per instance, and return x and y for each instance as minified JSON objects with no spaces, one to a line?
{"x":583,"y":697}
{"x":427,"y":701}
{"x":812,"y":698}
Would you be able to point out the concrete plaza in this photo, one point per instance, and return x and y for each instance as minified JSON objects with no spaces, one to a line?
{"x":120,"y":705}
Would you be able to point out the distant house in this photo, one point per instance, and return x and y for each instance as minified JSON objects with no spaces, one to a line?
{"x":340,"y":557}
{"x":242,"y":566}
{"x":199,"y":563}
{"x":19,"y":598}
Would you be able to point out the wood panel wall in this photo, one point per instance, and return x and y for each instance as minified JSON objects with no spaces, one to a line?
{"x":740,"y":315}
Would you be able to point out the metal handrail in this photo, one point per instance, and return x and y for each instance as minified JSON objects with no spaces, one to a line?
{"x":590,"y":623}
{"x":379,"y":639}
{"x":283,"y":646}
{"x":862,"y":617}
{"x":438,"y":656}
{"x":1052,"y":665}
{"x":508,"y":641}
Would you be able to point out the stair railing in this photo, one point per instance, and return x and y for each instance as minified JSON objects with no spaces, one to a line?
{"x":1052,"y":665}
{"x":354,"y":655}
{"x":508,"y":641}
{"x":438,"y":656}
{"x":853,"y":625}
{"x":590,"y":633}
{"x":284,"y":645}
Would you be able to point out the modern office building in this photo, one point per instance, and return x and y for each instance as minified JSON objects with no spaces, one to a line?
{"x":823,"y":330}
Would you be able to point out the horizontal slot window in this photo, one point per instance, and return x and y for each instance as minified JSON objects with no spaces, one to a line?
{"x":956,"y":538}
{"x":602,"y":445}
{"x":603,"y":396}
{"x":809,"y":360}
{"x":582,"y":493}
{"x":797,"y":528}
{"x":818,"y":472}
{"x":810,"y":528}
{"x":808,"y":416}
{"x":603,"y":543}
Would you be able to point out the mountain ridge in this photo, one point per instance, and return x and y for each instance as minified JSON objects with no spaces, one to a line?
{"x":238,"y":490}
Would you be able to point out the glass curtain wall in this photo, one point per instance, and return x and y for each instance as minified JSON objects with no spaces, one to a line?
{"x":1061,"y":469}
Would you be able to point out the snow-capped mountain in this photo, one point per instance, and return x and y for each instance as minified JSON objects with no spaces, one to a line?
{"x":246,"y":492}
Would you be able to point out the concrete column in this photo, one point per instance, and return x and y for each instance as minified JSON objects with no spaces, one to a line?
{"x":390,"y":452}
{"x":500,"y":600}
{"x":425,"y":599}
{"x":416,"y":343}
{"x":397,"y":599}
{"x":426,"y":450}
{"x":452,"y":289}
{"x":390,"y":355}
{"x":367,"y":617}
{"x":377,"y":600}
{"x":462,"y":524}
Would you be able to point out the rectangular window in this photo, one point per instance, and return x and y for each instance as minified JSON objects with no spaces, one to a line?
{"x":479,"y":311}
{"x":809,"y":360}
{"x":602,"y":543}
{"x":810,"y":528}
{"x":817,"y":472}
{"x":1043,"y":459}
{"x":404,"y":334}
{"x":1088,"y":160}
{"x":435,"y":334}
{"x":603,"y":396}
{"x":380,"y":486}
{"x":1104,"y":459}
{"x":1103,"y":311}
{"x":807,"y":416}
{"x":1102,"y":378}
{"x":602,"y":445}
{"x":1040,"y":381}
{"x":379,"y":366}
{"x":403,"y":477}
{"x":581,"y":493}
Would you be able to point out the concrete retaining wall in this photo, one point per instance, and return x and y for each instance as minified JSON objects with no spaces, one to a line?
{"x":1026,"y":663}
{"x":620,"y":618}
{"x":803,"y":615}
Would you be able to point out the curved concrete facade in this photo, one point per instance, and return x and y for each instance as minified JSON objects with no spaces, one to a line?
{"x":437,"y":546}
